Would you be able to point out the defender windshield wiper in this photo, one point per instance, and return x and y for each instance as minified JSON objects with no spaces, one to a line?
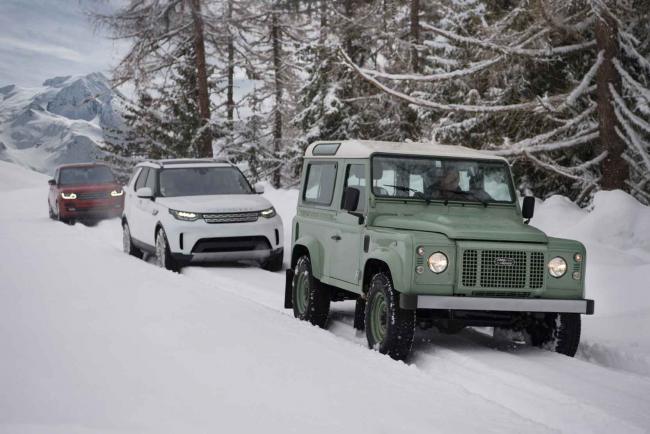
{"x":465,"y":193}
{"x":416,"y":193}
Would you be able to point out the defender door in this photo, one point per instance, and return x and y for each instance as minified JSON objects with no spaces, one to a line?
{"x":348,"y":235}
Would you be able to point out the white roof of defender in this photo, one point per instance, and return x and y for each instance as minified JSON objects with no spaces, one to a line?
{"x":365,"y":148}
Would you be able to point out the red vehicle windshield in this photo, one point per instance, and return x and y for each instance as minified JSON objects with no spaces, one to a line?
{"x":86,"y":175}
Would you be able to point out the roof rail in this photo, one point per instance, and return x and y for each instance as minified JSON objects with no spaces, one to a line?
{"x":179,"y":161}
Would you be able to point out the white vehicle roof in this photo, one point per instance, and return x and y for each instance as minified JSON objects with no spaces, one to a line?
{"x":364,"y":148}
{"x":186,"y":163}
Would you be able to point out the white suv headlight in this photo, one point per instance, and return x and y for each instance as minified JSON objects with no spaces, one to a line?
{"x":438,"y":262}
{"x":557,"y":267}
{"x":187,"y":216}
{"x":268,"y":213}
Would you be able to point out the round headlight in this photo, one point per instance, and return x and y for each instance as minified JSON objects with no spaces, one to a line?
{"x":557,"y":267}
{"x":438,"y":262}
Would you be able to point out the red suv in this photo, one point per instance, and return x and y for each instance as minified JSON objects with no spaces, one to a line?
{"x":84,"y":192}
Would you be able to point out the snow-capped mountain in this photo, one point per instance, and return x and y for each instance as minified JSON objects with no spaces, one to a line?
{"x":63,"y":121}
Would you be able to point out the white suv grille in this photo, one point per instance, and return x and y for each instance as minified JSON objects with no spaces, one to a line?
{"x":240,"y":217}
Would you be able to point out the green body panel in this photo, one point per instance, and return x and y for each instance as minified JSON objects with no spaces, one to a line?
{"x":395,"y":228}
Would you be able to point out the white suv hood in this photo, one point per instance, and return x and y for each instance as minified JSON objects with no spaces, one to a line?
{"x":217,"y":203}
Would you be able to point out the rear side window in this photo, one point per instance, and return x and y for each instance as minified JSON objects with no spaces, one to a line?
{"x":319,"y":186}
{"x":151,"y":180}
{"x":136,"y":172}
{"x":355,"y":176}
{"x":142,"y":179}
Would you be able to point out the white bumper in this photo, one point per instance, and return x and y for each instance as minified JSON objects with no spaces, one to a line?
{"x":183,"y":237}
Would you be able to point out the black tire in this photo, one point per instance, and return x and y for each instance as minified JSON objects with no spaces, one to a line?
{"x":164,"y":257}
{"x":127,"y":242}
{"x":559,"y":332}
{"x":389,"y":328}
{"x":274,"y":262}
{"x":311,"y":300}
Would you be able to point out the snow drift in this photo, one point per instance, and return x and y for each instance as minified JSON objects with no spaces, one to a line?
{"x":95,"y":341}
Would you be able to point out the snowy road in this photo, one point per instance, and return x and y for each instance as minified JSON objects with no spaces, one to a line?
{"x":95,"y":341}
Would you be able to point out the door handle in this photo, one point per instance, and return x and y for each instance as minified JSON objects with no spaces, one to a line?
{"x":336,"y":237}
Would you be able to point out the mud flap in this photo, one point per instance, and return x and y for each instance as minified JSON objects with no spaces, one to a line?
{"x":359,"y":314}
{"x":288,"y":284}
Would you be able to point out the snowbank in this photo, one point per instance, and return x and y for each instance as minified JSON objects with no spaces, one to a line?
{"x":616,"y":233}
{"x":95,"y":341}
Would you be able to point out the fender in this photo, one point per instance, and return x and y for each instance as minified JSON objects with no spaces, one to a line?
{"x":316,"y":253}
{"x":396,"y":266}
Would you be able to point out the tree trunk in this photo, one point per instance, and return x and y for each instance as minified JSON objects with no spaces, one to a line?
{"x":277,"y":112}
{"x":415,"y":34}
{"x":230,"y":101}
{"x":203,"y":98}
{"x":614,"y":168}
{"x":348,"y":13}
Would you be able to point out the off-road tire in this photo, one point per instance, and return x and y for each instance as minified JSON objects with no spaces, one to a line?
{"x":274,"y":262}
{"x":164,"y":257}
{"x":389,"y":328}
{"x":559,"y":332}
{"x":311,"y":300}
{"x":127,"y":242}
{"x":50,"y":212}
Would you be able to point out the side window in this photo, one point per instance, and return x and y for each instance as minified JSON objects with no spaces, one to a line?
{"x":142,"y":179}
{"x":136,"y":172}
{"x":355,"y":176}
{"x":319,"y":186}
{"x":151,"y":180}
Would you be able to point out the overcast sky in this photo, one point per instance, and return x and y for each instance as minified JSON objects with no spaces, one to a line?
{"x":40,"y":39}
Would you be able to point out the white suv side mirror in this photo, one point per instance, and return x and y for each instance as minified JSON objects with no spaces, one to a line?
{"x":259,"y":188}
{"x":144,"y":192}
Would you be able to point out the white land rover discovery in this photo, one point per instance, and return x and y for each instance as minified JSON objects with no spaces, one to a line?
{"x":199,"y":210}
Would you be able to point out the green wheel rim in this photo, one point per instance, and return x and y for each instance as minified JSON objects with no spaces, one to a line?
{"x":378,"y":317}
{"x":302,"y":292}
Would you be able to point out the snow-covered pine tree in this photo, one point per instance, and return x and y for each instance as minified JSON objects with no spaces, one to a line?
{"x":159,"y":32}
{"x":531,"y":82}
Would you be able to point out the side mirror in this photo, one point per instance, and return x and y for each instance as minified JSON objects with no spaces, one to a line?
{"x":350,"y":199}
{"x":144,"y":193}
{"x":259,"y":188}
{"x":528,"y":208}
{"x":51,"y":182}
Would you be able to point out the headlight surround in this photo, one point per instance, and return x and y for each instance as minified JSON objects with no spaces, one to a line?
{"x":438,"y":262}
{"x":117,"y":193}
{"x":187,"y":216}
{"x":68,"y":195}
{"x":557,"y":267}
{"x":268,"y":213}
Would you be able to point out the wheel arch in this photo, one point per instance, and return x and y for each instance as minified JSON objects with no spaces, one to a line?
{"x":386,"y":261}
{"x":310,"y":246}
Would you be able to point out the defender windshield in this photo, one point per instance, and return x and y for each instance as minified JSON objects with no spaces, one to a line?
{"x":200,"y":181}
{"x":86,"y":175}
{"x":430,"y":178}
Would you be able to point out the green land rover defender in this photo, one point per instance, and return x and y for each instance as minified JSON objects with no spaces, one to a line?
{"x":428,"y":235}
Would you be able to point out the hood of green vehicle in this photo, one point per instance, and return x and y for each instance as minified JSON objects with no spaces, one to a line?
{"x":466,"y":223}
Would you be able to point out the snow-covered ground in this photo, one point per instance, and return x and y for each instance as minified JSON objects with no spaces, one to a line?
{"x":95,"y":341}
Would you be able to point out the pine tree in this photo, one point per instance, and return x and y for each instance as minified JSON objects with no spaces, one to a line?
{"x":518,"y":82}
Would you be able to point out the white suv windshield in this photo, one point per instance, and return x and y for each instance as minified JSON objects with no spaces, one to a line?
{"x":442,"y":179}
{"x":199,"y":181}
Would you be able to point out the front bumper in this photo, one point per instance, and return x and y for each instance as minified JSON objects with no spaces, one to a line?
{"x":582,"y":306}
{"x":89,"y":209}
{"x":199,"y":241}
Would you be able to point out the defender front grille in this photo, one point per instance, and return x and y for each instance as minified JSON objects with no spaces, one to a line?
{"x":93,"y":195}
{"x":237,"y":217}
{"x":502,"y":269}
